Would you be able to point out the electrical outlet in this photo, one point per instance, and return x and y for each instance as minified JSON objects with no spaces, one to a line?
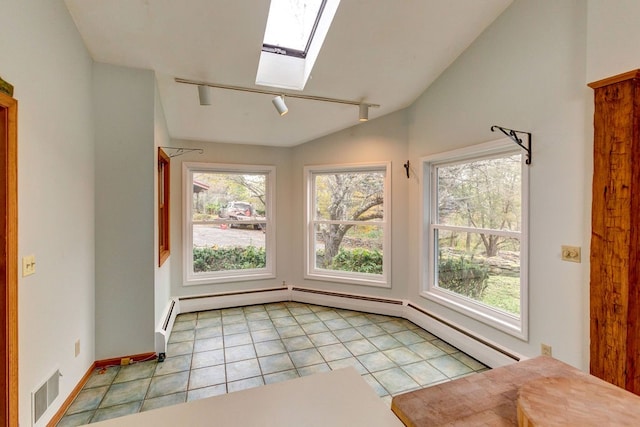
{"x":571,"y":253}
{"x":545,"y":349}
{"x":125,"y":361}
{"x":28,"y":265}
{"x":77,"y":348}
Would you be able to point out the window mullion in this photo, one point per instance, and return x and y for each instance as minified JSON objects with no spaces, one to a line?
{"x":503,"y":233}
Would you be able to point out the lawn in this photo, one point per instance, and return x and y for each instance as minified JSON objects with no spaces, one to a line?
{"x":503,"y":292}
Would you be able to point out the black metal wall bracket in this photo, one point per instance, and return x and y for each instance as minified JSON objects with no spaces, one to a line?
{"x":406,"y":167}
{"x":513,"y":134}
{"x":179,"y":151}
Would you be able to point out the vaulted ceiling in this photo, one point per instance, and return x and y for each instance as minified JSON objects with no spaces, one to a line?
{"x":384,"y":52}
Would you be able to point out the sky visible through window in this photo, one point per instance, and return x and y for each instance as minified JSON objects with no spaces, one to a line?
{"x":291,"y":22}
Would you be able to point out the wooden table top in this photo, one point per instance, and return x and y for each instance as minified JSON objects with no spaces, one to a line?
{"x":576,"y":401}
{"x":491,"y":399}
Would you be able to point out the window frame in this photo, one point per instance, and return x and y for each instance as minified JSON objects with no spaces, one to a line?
{"x":164,"y":206}
{"x":310,"y":270}
{"x":496,"y":318}
{"x":191,"y":278}
{"x":291,"y":51}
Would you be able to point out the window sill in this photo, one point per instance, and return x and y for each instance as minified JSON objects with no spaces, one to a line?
{"x":216,"y":280}
{"x":361,"y":281}
{"x":484,"y":314}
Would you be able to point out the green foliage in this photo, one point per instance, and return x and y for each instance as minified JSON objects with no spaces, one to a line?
{"x":225,"y":187}
{"x":484,"y":193}
{"x":355,"y":260}
{"x":213,"y":208}
{"x":463,"y":276}
{"x":503,"y":292}
{"x":223,"y":259}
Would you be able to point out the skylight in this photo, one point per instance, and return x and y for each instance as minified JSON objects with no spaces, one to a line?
{"x":294,"y":34}
{"x":291,"y":26}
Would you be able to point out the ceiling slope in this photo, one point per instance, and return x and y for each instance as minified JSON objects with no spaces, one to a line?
{"x":385,"y":52}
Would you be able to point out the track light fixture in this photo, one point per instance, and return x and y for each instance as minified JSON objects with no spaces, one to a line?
{"x":364,"y":113}
{"x":278,"y":102}
{"x":204,"y":93}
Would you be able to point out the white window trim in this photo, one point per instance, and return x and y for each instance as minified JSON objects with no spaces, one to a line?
{"x":312,"y":273}
{"x":269,"y":272}
{"x":518,"y":327}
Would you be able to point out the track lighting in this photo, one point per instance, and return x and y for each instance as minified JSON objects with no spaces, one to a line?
{"x":364,"y":113}
{"x":278,"y":102}
{"x":204,"y":93}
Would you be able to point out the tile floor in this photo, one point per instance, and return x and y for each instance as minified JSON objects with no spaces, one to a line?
{"x":222,"y":351}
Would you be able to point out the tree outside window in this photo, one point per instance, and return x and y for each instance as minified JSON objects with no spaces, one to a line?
{"x":476,"y":247}
{"x":347,"y":219}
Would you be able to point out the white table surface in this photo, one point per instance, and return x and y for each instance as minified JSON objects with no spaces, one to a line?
{"x":336,"y":398}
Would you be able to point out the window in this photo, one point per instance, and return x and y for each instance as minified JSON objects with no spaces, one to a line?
{"x":229,"y":222}
{"x":294,"y":34}
{"x":291,"y":26}
{"x":347,"y":217}
{"x":476,"y":242}
{"x":164,"y":180}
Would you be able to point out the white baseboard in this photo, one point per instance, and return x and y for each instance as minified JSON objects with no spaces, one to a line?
{"x":485,"y":351}
{"x":386,"y":306}
{"x":233,"y":299}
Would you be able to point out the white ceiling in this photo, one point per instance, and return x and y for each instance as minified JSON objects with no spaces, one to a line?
{"x":384,"y":52}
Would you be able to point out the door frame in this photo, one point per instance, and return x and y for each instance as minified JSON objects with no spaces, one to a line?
{"x":9,"y":259}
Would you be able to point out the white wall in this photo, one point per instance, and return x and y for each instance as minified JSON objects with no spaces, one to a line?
{"x":234,"y":154}
{"x":383,"y":139}
{"x":525,"y":72}
{"x":612,"y":39}
{"x":124,"y":110}
{"x":43,"y":56}
{"x":162,"y":279}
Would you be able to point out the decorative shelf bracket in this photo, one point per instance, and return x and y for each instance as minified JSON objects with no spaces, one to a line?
{"x":513,"y":134}
{"x":179,"y":151}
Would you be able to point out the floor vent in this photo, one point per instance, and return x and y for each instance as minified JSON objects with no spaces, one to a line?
{"x":44,"y":396}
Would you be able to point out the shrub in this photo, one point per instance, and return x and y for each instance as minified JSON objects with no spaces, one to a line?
{"x":355,"y":260}
{"x":463,"y":277}
{"x":215,"y":258}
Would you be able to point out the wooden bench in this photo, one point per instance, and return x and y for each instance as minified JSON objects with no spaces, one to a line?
{"x":491,"y":397}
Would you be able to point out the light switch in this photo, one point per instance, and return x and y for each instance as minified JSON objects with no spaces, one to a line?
{"x":571,"y":253}
{"x":28,"y":265}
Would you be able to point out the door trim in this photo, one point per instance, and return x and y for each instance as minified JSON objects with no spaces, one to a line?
{"x":9,"y":259}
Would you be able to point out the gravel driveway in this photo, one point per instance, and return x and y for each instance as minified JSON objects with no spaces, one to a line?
{"x":209,"y":235}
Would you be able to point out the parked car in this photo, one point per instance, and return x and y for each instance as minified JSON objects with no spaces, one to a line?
{"x":234,"y":210}
{"x":241,"y":211}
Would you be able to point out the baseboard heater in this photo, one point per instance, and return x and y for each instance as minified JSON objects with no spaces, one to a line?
{"x":352,"y":296}
{"x":478,"y":347}
{"x":233,"y":299}
{"x":388,"y":306}
{"x":164,"y":329}
{"x":487,"y":352}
